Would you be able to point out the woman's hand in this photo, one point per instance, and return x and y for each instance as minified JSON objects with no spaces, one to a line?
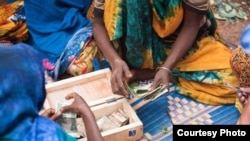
{"x":79,"y":106}
{"x":120,"y":74}
{"x":51,"y":114}
{"x":244,"y":97}
{"x":162,"y":77}
{"x":244,"y":118}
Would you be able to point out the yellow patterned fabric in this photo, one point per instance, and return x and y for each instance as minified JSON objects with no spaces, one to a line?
{"x":83,"y":63}
{"x":112,"y":13}
{"x":202,"y":72}
{"x":12,"y":23}
{"x":161,"y":25}
{"x":211,"y":58}
{"x":238,"y":105}
{"x":200,"y":59}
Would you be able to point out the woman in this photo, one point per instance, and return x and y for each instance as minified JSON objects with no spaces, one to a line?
{"x":175,"y":36}
{"x":62,"y":33}
{"x":22,"y":94}
{"x":240,"y":63}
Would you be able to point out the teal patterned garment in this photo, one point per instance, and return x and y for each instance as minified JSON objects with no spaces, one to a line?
{"x":148,"y":30}
{"x":22,"y":94}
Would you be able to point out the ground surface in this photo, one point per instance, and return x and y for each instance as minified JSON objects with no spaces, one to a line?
{"x":231,"y":31}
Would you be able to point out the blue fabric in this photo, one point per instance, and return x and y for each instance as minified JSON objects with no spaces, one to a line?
{"x":71,"y":51}
{"x":22,"y":94}
{"x":52,"y":23}
{"x":245,"y":39}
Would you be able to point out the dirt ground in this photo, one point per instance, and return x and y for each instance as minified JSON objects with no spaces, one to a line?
{"x":231,"y":31}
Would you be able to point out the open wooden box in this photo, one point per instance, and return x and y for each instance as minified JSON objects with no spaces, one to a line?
{"x":95,"y":88}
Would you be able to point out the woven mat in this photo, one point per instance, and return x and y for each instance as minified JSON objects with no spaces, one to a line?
{"x":173,"y":108}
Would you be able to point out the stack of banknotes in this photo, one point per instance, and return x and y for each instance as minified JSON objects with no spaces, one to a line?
{"x":141,"y":91}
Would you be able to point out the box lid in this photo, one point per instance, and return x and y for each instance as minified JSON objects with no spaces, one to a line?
{"x":94,"y":87}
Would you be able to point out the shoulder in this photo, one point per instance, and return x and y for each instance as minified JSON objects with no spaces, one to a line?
{"x":200,"y":6}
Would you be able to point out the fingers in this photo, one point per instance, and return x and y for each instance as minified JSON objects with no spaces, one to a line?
{"x":245,"y":102}
{"x":127,"y":72}
{"x":246,"y":90}
{"x":76,"y":102}
{"x":244,"y":97}
{"x":66,"y":109}
{"x":154,"y":85}
{"x":119,"y":88}
{"x":48,"y":112}
{"x":159,"y":82}
{"x":56,"y":116}
{"x":70,"y":96}
{"x":122,"y":89}
{"x":117,"y":82}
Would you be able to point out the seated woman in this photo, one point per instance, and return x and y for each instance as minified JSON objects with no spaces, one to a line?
{"x":61,"y":31}
{"x":240,"y":62}
{"x":62,"y":34}
{"x":160,"y":39}
{"x":22,"y":95}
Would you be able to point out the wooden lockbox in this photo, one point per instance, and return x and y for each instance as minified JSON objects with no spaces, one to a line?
{"x":95,"y":88}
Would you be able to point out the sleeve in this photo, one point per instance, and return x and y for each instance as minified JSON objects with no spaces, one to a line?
{"x":199,"y":6}
{"x":98,"y":8}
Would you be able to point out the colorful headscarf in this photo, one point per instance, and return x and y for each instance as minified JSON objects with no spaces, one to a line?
{"x":22,"y":94}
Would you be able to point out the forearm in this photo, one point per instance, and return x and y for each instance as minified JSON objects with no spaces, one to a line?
{"x":103,"y":41}
{"x":92,"y":130}
{"x":185,"y":39}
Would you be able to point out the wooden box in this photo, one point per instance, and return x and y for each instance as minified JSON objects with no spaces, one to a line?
{"x":95,"y":88}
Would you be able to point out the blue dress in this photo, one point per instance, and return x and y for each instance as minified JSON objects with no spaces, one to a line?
{"x":52,"y":24}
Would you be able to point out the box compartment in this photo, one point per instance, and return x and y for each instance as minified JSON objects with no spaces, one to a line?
{"x":95,"y":88}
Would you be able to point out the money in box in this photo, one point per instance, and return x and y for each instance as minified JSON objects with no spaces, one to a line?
{"x":114,"y":115}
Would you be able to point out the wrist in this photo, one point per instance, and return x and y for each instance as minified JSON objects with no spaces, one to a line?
{"x":164,"y":68}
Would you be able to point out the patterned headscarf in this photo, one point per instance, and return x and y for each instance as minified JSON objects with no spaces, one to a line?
{"x":22,"y":94}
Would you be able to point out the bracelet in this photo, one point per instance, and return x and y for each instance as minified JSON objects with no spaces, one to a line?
{"x":164,"y":68}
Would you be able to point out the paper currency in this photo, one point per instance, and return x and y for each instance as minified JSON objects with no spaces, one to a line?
{"x":68,"y":121}
{"x":114,"y":120}
{"x":105,"y":124}
{"x":142,"y":91}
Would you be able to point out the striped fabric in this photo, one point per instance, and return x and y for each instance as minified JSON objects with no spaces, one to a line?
{"x":173,"y":108}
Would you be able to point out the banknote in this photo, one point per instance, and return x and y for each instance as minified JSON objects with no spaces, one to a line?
{"x":68,"y":121}
{"x":142,"y":91}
